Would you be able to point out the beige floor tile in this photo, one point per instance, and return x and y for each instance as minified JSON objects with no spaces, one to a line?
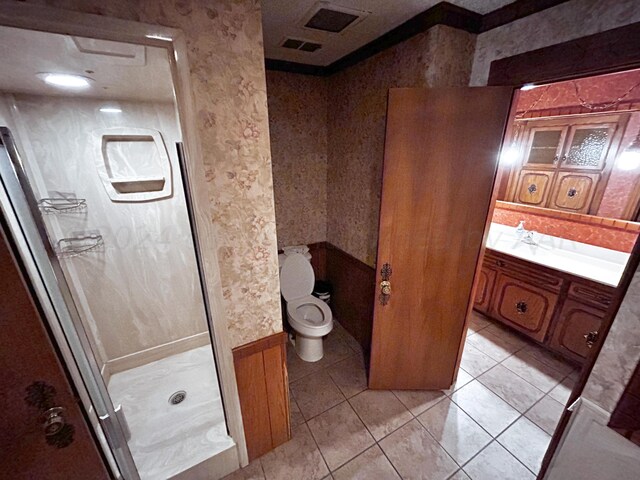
{"x":380,"y":411}
{"x":460,"y":436}
{"x":346,"y":336}
{"x":533,"y":371}
{"x":417,"y":401}
{"x":485,"y":407}
{"x":416,"y":455}
{"x":478,"y":320}
{"x":461,"y":381}
{"x":340,"y":435}
{"x":369,"y":465}
{"x":295,"y":413}
{"x":253,"y":471}
{"x":496,"y":463}
{"x":562,"y":391}
{"x":474,"y":362}
{"x":349,"y":375}
{"x":508,"y":335}
{"x":315,"y":394}
{"x":548,"y":358}
{"x":298,"y":458}
{"x":459,"y":475}
{"x":511,"y":388}
{"x":546,"y":414}
{"x":527,"y":442}
{"x":335,"y":348}
{"x":492,"y":345}
{"x":298,"y":368}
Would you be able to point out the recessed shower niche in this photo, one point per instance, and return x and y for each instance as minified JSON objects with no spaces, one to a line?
{"x":133,"y":164}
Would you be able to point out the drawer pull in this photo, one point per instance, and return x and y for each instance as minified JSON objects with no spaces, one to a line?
{"x":591,"y":338}
{"x":521,"y":307}
{"x":500,"y":263}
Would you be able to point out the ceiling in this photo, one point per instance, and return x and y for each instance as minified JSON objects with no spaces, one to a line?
{"x":119,"y":71}
{"x":285,"y":19}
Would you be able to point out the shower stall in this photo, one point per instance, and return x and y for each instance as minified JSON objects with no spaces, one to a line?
{"x":93,"y":176}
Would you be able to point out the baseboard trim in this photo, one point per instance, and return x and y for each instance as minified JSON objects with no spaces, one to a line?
{"x":152,"y":354}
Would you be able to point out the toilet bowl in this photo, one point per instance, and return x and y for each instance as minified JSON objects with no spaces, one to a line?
{"x":309,"y":316}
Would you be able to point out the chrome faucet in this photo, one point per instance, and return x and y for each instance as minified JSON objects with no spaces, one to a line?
{"x":528,"y":238}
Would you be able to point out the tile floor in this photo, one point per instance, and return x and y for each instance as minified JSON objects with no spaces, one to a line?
{"x":494,"y":423}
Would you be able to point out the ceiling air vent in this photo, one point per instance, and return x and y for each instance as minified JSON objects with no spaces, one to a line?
{"x":300,"y":45}
{"x":332,"y":18}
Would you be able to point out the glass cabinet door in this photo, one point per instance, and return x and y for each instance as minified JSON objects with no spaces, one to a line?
{"x":587,"y":146}
{"x":544,"y":145}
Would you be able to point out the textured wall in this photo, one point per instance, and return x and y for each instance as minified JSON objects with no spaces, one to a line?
{"x":358,"y":100}
{"x":225,"y":53}
{"x":298,"y":133}
{"x":568,"y":21}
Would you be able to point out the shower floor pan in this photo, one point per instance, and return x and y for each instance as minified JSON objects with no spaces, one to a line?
{"x":169,"y":438}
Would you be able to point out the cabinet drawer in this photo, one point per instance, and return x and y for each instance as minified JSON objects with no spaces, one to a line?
{"x":574,"y":322}
{"x":523,"y":270}
{"x":574,"y":191}
{"x":484,"y":289}
{"x":523,"y":306}
{"x":597,"y":296}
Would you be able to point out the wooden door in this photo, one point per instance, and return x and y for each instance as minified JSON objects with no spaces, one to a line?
{"x":573,"y":191}
{"x":533,"y":187}
{"x":441,"y":153}
{"x":32,"y":380}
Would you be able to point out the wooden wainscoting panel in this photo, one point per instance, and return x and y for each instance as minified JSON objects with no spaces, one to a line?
{"x":261,"y":373}
{"x":353,"y":293}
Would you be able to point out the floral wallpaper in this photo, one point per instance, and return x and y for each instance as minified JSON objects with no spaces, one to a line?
{"x":224,"y":40}
{"x":298,"y":132}
{"x":358,"y":99}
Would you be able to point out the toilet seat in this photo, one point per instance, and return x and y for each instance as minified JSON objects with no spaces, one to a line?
{"x":310,"y":316}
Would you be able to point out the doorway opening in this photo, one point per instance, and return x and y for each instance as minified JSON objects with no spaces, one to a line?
{"x":93,"y":188}
{"x":563,"y":227}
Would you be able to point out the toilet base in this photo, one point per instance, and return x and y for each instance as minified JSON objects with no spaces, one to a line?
{"x":309,"y":349}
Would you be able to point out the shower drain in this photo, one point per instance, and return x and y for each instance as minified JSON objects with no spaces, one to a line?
{"x":177,"y":397}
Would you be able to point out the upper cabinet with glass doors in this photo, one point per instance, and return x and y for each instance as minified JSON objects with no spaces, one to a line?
{"x":565,"y":162}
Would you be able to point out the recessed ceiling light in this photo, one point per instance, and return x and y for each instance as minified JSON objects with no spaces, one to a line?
{"x":110,"y":108}
{"x":65,"y":80}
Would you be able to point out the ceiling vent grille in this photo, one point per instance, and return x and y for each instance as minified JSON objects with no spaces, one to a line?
{"x":302,"y":45}
{"x":329,"y":20}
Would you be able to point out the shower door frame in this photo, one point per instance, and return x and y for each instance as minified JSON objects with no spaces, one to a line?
{"x":53,"y":20}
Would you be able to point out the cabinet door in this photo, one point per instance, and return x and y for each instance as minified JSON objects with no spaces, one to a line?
{"x":587,"y":146}
{"x":543,"y":146}
{"x":533,"y":187}
{"x":484,"y":289}
{"x":575,"y":321}
{"x":523,"y":306}
{"x":574,"y":191}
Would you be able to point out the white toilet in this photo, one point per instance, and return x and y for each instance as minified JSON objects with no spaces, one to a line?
{"x":309,"y":316}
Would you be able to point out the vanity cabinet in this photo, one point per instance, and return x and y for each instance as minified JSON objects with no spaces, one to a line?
{"x":558,"y":310}
{"x":523,"y":306}
{"x":565,"y":162}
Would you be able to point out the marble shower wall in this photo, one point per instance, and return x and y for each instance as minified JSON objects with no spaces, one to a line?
{"x":298,"y":134}
{"x":225,"y":54}
{"x":440,"y":57}
{"x":142,"y":290}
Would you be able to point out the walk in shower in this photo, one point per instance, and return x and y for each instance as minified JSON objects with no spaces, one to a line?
{"x":93,"y":127}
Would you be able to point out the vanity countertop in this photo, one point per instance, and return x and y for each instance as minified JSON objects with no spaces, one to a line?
{"x":587,"y":261}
